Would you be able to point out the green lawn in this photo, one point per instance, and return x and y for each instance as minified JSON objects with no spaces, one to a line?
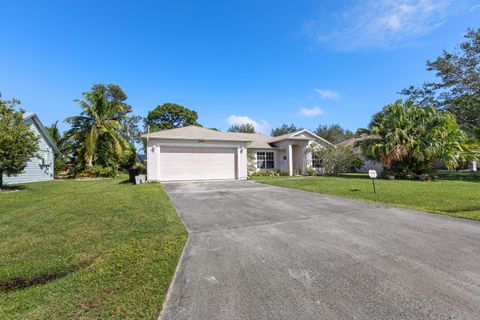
{"x":453,"y":194}
{"x":101,"y":249}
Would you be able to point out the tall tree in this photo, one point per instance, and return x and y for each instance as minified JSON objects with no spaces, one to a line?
{"x":334,"y":133}
{"x":284,"y":129}
{"x":170,"y":116}
{"x":242,"y":128}
{"x":458,"y":86}
{"x":54,"y":133}
{"x":103,"y":112}
{"x":18,"y":143}
{"x":406,"y":138}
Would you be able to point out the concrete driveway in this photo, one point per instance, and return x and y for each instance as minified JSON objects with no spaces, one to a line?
{"x":263,"y":252}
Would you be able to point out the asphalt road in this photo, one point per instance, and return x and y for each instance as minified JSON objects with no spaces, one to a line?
{"x":263,"y":252}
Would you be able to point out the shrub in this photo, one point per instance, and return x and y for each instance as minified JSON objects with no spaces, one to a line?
{"x":269,"y":173}
{"x":335,"y":160}
{"x":98,"y":171}
{"x":60,"y":166}
{"x":311,"y":171}
{"x":141,"y":167}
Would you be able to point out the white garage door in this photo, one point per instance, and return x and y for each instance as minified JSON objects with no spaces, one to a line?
{"x":182,"y":163}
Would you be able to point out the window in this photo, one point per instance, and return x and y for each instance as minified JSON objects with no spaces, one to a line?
{"x":316,"y":161}
{"x":265,"y":160}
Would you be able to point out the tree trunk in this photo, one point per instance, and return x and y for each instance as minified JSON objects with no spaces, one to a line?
{"x":90,"y":161}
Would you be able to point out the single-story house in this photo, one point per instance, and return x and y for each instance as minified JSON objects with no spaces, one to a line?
{"x":367,"y":164}
{"x":196,"y":153}
{"x":40,"y":167}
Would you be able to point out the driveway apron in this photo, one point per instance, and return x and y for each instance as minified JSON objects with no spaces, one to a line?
{"x":264,"y":252}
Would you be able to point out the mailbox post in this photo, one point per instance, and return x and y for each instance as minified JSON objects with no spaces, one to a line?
{"x":373,"y":176}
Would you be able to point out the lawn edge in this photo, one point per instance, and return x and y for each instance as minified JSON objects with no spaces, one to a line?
{"x":174,"y":278}
{"x":445,"y":214}
{"x":179,"y":262}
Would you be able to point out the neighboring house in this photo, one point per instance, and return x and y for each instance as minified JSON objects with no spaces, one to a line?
{"x":469,"y":166}
{"x":195,"y":153}
{"x":367,"y":164}
{"x":40,"y":167}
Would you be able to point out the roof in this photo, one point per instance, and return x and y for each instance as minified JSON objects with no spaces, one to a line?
{"x":41,"y":129}
{"x":295,"y":136}
{"x":353,"y":142}
{"x":194,"y":133}
{"x":259,"y":141}
{"x":255,"y":140}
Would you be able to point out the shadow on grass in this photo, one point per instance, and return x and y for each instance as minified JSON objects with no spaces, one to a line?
{"x":126,"y":181}
{"x":11,"y":188}
{"x":18,"y":283}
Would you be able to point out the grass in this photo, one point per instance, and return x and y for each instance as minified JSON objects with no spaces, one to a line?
{"x":453,"y":194}
{"x":100,"y":249}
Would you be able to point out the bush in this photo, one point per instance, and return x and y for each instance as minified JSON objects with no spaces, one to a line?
{"x":335,"y":160}
{"x":269,"y":173}
{"x":59,"y":166}
{"x":141,"y":167}
{"x":311,"y":171}
{"x":98,"y":171}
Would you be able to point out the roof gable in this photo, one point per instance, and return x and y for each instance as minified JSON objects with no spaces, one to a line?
{"x":40,"y":128}
{"x":299,"y":135}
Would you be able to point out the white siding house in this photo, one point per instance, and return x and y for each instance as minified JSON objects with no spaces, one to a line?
{"x":194,"y":153}
{"x":38,"y":168}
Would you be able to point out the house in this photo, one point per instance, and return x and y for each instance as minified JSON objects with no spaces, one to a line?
{"x":195,"y":153}
{"x":40,"y":167}
{"x":379,"y":167}
{"x":367,"y":164}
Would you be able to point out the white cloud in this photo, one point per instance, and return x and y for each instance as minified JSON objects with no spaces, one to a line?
{"x":310,"y":112}
{"x":384,"y":24}
{"x":328,"y":94}
{"x":260,"y":126}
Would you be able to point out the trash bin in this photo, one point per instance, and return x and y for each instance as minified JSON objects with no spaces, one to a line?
{"x":132,"y":173}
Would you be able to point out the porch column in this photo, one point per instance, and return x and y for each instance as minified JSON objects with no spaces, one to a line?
{"x":290,"y":160}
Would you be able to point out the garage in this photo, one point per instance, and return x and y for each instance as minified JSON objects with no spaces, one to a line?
{"x":195,"y":153}
{"x":197,"y":163}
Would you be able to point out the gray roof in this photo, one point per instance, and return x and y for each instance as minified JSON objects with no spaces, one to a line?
{"x":259,"y":141}
{"x":285,"y":136}
{"x":294,"y":136}
{"x":194,"y":133}
{"x":41,"y":129}
{"x":255,"y":140}
{"x":353,"y":142}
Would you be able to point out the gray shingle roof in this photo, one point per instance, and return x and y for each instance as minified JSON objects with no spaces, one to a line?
{"x":259,"y":141}
{"x":194,"y":133}
{"x":256,"y":140}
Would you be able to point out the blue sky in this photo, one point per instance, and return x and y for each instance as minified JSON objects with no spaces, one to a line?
{"x":306,"y":62}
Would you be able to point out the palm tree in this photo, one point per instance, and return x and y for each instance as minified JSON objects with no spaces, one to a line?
{"x":54,"y":133}
{"x":101,"y":116}
{"x":411,"y":137}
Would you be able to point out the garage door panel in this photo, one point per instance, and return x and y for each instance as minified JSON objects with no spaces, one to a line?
{"x":182,"y":163}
